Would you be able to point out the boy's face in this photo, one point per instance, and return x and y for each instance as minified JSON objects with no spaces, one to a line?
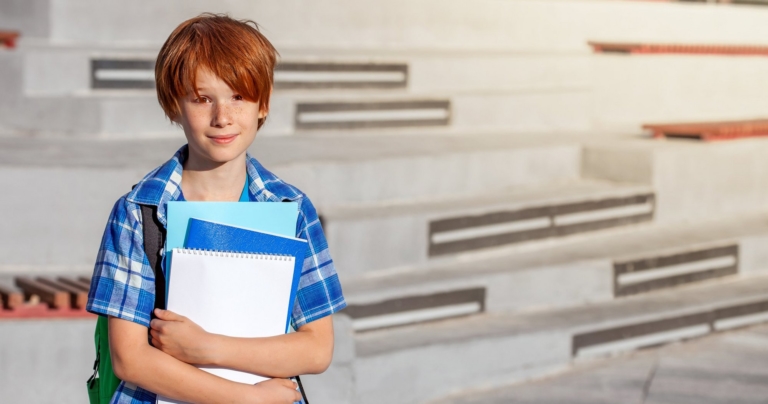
{"x":219,"y":124}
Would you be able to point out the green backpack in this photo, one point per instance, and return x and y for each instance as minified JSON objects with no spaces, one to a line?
{"x":103,"y":383}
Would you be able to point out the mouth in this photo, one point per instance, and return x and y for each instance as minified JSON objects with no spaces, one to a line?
{"x":223,"y":139}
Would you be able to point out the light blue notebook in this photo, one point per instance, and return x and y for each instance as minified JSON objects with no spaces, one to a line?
{"x":271,"y":217}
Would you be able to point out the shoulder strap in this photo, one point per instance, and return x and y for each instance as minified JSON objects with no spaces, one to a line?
{"x":154,"y":240}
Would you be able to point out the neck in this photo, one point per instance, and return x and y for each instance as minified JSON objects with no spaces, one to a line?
{"x":213,"y":182}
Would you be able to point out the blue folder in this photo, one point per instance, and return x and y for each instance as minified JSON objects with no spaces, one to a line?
{"x":205,"y":235}
{"x":273,"y":217}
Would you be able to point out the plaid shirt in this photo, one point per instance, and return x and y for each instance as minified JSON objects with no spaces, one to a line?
{"x":123,"y":283}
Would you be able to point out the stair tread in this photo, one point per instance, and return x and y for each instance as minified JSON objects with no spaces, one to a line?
{"x":73,"y":152}
{"x":592,"y":317}
{"x":518,"y":198}
{"x":632,"y":242}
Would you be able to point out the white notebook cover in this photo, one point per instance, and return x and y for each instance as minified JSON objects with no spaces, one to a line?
{"x":239,"y":295}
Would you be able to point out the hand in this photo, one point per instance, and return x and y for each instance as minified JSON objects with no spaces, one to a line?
{"x":181,"y":338}
{"x":274,"y":391}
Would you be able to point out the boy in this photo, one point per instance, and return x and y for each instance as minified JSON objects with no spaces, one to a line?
{"x":214,"y":78}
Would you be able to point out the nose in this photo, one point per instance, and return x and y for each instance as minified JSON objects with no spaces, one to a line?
{"x":222,"y":116}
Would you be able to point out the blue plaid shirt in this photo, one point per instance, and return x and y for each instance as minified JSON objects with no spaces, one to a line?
{"x":123,"y":283}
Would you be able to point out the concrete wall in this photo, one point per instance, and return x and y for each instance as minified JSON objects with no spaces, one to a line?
{"x":45,"y":361}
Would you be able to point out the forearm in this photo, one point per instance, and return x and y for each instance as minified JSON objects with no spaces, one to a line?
{"x":135,"y":361}
{"x":307,"y":351}
{"x":163,"y":374}
{"x":280,"y":356}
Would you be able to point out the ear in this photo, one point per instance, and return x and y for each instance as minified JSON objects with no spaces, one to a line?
{"x":263,"y":112}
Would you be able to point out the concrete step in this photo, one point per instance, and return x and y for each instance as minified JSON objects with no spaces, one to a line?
{"x":397,"y":24}
{"x":586,"y":269}
{"x":630,"y":91}
{"x":332,"y":171}
{"x":549,"y":91}
{"x":132,"y":113}
{"x":720,"y":368}
{"x":692,"y":181}
{"x":56,"y":69}
{"x":371,"y":237}
{"x":432,"y":360}
{"x":556,"y":110}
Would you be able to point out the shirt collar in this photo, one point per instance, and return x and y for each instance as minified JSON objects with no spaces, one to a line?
{"x":163,"y":184}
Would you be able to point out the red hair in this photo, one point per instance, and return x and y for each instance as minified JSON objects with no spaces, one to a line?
{"x":233,"y":50}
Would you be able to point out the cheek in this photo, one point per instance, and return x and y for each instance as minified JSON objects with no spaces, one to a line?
{"x":198,"y":120}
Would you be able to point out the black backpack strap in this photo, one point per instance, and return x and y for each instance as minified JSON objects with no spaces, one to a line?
{"x":154,"y":241}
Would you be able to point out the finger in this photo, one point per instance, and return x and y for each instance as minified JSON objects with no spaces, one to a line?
{"x":296,"y":396}
{"x":287,"y":383}
{"x":157,"y":325}
{"x":168,"y":315}
{"x":154,"y":334}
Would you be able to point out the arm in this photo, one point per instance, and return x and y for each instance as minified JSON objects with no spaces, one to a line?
{"x":135,"y":361}
{"x":308,"y":350}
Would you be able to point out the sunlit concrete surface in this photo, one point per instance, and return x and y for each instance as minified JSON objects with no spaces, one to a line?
{"x":721,"y":369}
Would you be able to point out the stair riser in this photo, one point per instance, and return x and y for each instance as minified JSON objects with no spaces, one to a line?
{"x":56,"y":217}
{"x":565,"y":285}
{"x":139,"y":115}
{"x":651,"y":96}
{"x":368,"y":243}
{"x":548,"y":286}
{"x":406,"y":178}
{"x":53,"y":70}
{"x":691,"y":181}
{"x":60,"y":352}
{"x":70,"y":225}
{"x":398,"y":24}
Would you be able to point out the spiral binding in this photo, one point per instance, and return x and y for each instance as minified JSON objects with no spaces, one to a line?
{"x":234,"y":254}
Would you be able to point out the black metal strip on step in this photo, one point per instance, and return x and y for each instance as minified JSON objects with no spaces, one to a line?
{"x":709,"y":317}
{"x":97,"y":65}
{"x":330,"y":108}
{"x":739,"y":313}
{"x":548,"y":213}
{"x":454,"y":247}
{"x":148,"y":65}
{"x":646,"y":265}
{"x":668,"y":282}
{"x":418,"y":303}
{"x":594,"y":338}
{"x":560,"y":231}
{"x":352,"y":68}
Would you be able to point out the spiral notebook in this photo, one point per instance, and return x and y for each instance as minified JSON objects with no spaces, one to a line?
{"x":208,"y":235}
{"x":234,"y":294}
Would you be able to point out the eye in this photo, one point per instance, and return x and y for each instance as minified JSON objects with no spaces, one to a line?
{"x":200,"y":100}
{"x":238,"y":97}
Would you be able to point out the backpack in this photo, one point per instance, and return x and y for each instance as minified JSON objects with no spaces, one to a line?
{"x":103,"y":382}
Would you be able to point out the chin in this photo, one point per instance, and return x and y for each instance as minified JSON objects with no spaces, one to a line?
{"x":220,"y":155}
{"x":224,"y":156}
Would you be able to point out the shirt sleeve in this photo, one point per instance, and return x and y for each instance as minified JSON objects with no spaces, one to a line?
{"x":123,"y":283}
{"x":319,"y":293}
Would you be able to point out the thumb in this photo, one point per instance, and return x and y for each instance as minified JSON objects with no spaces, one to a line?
{"x":168,"y":315}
